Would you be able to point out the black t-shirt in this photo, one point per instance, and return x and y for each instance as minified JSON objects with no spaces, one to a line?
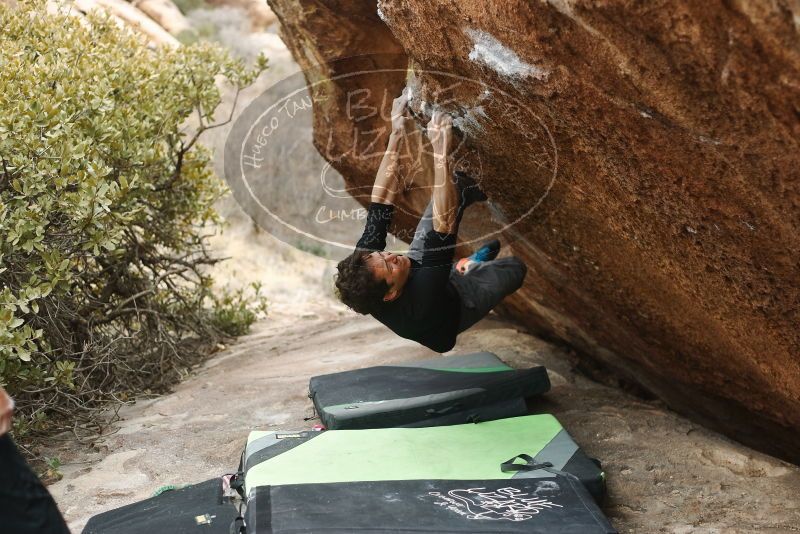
{"x":427,"y":311}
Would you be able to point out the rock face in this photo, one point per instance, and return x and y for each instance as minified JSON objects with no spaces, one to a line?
{"x":643,"y":158}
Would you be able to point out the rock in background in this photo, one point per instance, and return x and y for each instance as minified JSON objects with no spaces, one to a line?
{"x":258,"y":12}
{"x":127,"y":15}
{"x":165,"y":13}
{"x":650,"y":153}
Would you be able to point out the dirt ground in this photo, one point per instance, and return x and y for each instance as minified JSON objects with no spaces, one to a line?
{"x":665,"y":474}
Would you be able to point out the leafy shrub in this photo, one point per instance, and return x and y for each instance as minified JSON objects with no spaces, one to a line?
{"x":187,"y":6}
{"x":234,"y":312}
{"x":105,"y":202}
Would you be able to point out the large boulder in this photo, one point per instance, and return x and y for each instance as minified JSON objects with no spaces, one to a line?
{"x":643,"y":158}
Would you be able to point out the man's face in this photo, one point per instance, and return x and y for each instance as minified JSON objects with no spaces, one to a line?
{"x":393,"y":268}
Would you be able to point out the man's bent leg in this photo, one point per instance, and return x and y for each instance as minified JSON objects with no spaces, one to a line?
{"x":485,"y":285}
{"x":425,"y":223}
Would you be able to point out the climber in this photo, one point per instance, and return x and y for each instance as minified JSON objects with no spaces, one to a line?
{"x":421,"y":295}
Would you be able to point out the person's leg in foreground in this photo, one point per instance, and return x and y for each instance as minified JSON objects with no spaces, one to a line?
{"x":25,"y":504}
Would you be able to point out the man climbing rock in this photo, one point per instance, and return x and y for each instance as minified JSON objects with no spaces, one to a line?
{"x":421,"y":295}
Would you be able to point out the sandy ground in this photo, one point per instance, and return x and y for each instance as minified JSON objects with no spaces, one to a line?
{"x":665,"y":474}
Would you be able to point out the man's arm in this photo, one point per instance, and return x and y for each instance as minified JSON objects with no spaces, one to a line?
{"x":387,"y":184}
{"x":445,"y":195}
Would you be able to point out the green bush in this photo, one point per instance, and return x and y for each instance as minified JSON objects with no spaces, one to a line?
{"x":105,"y":203}
{"x":234,"y":312}
{"x":187,"y":6}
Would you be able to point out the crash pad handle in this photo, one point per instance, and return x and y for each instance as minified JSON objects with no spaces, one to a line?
{"x":529,"y":465}
{"x":443,"y":411}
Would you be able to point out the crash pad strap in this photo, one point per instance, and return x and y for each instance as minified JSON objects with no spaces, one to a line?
{"x":510,"y":466}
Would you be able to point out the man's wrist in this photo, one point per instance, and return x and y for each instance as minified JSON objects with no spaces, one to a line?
{"x":395,"y":134}
{"x":389,"y":201}
{"x":383,"y":196}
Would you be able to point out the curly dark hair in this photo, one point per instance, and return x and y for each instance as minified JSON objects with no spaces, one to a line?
{"x":356,"y":286}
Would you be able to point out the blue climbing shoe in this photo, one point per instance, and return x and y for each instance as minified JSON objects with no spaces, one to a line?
{"x":487,"y":252}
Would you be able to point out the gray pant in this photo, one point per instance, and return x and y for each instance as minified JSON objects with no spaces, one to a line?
{"x":486,"y":283}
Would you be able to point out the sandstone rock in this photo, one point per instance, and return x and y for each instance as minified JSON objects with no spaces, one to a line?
{"x":261,"y":16}
{"x":165,"y":13}
{"x":130,"y":16}
{"x":651,"y":152}
{"x":123,"y":13}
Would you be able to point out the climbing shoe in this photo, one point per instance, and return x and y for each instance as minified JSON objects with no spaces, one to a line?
{"x":487,"y":252}
{"x":470,"y":191}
